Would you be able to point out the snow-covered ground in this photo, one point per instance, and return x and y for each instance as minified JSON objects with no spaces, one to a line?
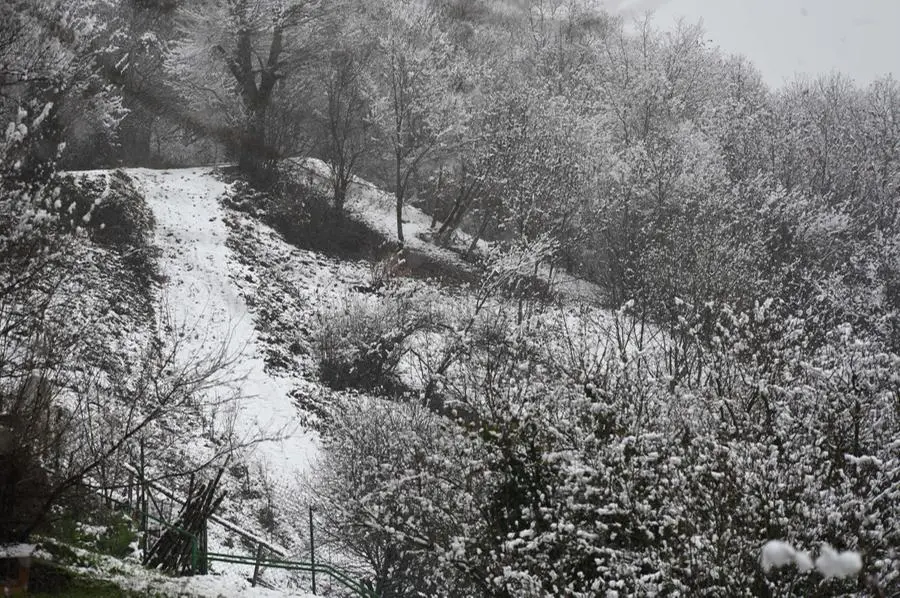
{"x":232,"y":284}
{"x":211,"y":586}
{"x":226,"y":585}
{"x":376,"y":208}
{"x":201,"y":297}
{"x":130,"y":575}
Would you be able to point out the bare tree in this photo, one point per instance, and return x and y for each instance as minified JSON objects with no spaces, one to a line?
{"x":347,"y":115}
{"x":235,"y":54}
{"x":73,"y":421}
{"x":416,"y":104}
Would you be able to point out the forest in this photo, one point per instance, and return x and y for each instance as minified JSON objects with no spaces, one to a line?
{"x":731,"y":376}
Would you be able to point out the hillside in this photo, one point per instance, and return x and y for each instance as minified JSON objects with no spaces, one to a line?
{"x":347,"y":390}
{"x":231,"y":284}
{"x":202,"y":295}
{"x":494,"y":299}
{"x":230,"y":292}
{"x":232,"y":289}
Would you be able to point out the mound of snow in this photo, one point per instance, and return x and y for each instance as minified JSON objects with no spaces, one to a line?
{"x":838,"y":564}
{"x":776,"y":553}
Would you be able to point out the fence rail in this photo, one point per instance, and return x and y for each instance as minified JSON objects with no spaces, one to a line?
{"x":200,"y":557}
{"x":258,"y":561}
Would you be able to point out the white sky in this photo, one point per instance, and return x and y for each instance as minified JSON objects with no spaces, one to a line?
{"x":859,"y":38}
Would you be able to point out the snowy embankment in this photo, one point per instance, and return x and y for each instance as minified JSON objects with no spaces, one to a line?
{"x":232,"y":286}
{"x":377,"y":209}
{"x":204,"y":302}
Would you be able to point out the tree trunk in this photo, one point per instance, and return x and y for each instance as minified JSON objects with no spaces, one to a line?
{"x":340,"y":197}
{"x":400,"y":217}
{"x":434,"y":199}
{"x":474,"y":244}
{"x":398,"y":194}
{"x":252,"y":152}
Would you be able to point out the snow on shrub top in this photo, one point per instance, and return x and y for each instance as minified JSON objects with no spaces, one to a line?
{"x":831,"y":564}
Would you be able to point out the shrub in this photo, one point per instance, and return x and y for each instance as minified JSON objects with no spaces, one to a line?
{"x":635,"y":471}
{"x":360,"y":346}
{"x":393,"y":460}
{"x":384,"y":272}
{"x":109,"y":208}
{"x":114,"y":214}
{"x":305,"y":216}
{"x":89,"y":525}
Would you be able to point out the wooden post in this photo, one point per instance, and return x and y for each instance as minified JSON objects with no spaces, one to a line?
{"x":312,"y":550}
{"x":259,"y":551}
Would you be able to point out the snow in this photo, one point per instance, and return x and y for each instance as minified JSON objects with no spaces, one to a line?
{"x":228,"y":525}
{"x":226,"y":585}
{"x":776,"y":553}
{"x":830,"y":563}
{"x":838,"y":564}
{"x":201,"y":296}
{"x":14,"y":551}
{"x":131,"y":575}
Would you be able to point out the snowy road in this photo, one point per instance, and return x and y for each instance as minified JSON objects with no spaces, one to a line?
{"x":202,"y":298}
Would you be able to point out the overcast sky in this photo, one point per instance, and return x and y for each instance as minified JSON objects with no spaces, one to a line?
{"x":860,"y":38}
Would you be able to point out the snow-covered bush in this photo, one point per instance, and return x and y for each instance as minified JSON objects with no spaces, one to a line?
{"x":108,"y":207}
{"x":829,"y":564}
{"x":660,"y":467}
{"x":360,"y":344}
{"x":385,"y":271}
{"x":393,"y":492}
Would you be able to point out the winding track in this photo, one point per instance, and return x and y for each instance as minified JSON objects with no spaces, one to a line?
{"x":202,"y":298}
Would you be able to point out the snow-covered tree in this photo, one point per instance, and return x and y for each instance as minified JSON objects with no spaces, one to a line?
{"x":54,"y":52}
{"x":233,"y":58}
{"x":418,"y":105}
{"x":346,"y":97}
{"x":135,"y":65}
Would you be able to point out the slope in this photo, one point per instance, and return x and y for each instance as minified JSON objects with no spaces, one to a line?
{"x":233,"y":284}
{"x":201,"y":297}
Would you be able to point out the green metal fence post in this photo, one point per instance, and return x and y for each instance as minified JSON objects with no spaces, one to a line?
{"x":259,"y":552}
{"x":204,"y":548}
{"x":312,"y":550}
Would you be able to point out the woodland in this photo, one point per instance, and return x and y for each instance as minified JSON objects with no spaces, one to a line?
{"x":732,"y":379}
